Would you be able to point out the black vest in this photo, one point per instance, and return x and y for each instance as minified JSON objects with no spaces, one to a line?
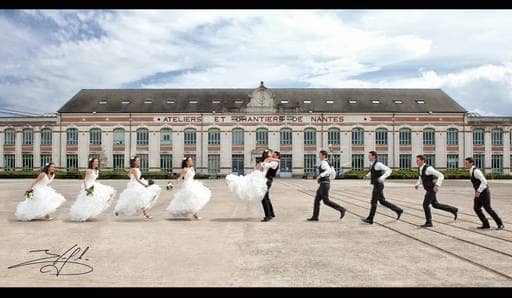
{"x":320,"y":171}
{"x":426,"y":180}
{"x":271,"y":173}
{"x":375,"y":175}
{"x":476,"y":182}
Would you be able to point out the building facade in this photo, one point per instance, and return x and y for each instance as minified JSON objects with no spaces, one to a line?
{"x":226,"y":130}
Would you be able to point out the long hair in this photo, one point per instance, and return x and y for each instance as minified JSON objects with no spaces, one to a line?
{"x":46,"y":168}
{"x":265,"y":154}
{"x":91,"y":162}
{"x":133,"y":161}
{"x":184,"y":162}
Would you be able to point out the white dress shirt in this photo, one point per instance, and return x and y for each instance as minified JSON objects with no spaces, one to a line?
{"x":431,"y":171}
{"x":380,"y":167}
{"x":480,"y":176}
{"x":324,"y":165}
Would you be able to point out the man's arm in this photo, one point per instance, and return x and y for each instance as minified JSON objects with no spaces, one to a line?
{"x":480,"y":176}
{"x":439,"y":175}
{"x":382,"y":167}
{"x":327,"y":170}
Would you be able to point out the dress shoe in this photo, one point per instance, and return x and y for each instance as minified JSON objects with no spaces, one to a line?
{"x":427,"y":225}
{"x":398,"y":214}
{"x":267,"y":219}
{"x":312,"y":219}
{"x":501,"y":227}
{"x":342,"y":213}
{"x":455,"y":215}
{"x":366,"y":220}
{"x":484,"y":227}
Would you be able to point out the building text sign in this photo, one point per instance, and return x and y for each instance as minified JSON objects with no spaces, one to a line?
{"x":235,"y":119}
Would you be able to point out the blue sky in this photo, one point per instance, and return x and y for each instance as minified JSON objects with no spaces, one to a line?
{"x":48,"y":56}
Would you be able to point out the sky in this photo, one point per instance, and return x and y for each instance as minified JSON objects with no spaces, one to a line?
{"x":47,"y":56}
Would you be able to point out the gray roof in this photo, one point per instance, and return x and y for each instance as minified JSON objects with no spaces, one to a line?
{"x":178,"y":100}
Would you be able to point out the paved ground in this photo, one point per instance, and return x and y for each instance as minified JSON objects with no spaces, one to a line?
{"x":231,"y":247}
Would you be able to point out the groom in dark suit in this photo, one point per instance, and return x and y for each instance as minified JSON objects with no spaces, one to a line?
{"x":273,"y":166}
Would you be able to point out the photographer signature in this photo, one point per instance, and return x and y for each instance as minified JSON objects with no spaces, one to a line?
{"x":53,"y":263}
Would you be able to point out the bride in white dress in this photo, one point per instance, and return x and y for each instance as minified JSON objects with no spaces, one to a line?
{"x":138,"y":194}
{"x":44,"y":199}
{"x":94,"y":197}
{"x":191,"y":195}
{"x":251,"y":188}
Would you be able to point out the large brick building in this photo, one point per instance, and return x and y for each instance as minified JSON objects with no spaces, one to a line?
{"x":225,"y":130}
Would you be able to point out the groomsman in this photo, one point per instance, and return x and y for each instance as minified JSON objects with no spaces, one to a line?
{"x":322,"y":194}
{"x":272,"y":165}
{"x":426,"y":175}
{"x":378,"y":173}
{"x":482,"y":196}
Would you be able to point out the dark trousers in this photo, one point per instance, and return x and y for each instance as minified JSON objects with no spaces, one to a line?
{"x":378,"y":196}
{"x":322,"y":194}
{"x":430,"y":198}
{"x":485,"y":201}
{"x":267,"y":205}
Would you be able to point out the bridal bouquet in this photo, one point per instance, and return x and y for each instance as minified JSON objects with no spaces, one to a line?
{"x":169,"y":186}
{"x":29,"y":194}
{"x":90,"y":191}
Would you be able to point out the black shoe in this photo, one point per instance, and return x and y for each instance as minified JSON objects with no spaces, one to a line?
{"x":455,"y":215}
{"x":398,"y":214}
{"x":272,"y":215}
{"x":267,"y":219}
{"x":366,"y":220}
{"x":342,"y":213}
{"x":427,"y":225}
{"x":117,"y":214}
{"x":501,"y":227}
{"x":312,"y":219}
{"x":484,"y":227}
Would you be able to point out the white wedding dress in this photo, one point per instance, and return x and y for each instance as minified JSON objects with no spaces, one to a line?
{"x":190,"y":196}
{"x":45,"y":200}
{"x":250,"y":188}
{"x":86,"y":207}
{"x":136,"y":197}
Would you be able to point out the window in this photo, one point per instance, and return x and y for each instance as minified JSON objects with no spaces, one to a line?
{"x":335,"y":161}
{"x":144,"y":162}
{"x":285,"y":165}
{"x":452,"y":136}
{"x":405,"y":136}
{"x":310,"y":136}
{"x":357,"y":136}
{"x":10,"y":136}
{"x":9,"y":164}
{"x":497,"y":136}
{"x":165,"y":136}
{"x":28,"y":136}
{"x":261,"y":136}
{"x":166,"y":163}
{"x":478,"y":136}
{"x":405,"y":161}
{"x":237,"y":164}
{"x":479,"y":161}
{"x":214,"y":136}
{"x":383,"y":158}
{"x":497,"y":163}
{"x":71,"y":136}
{"x":46,"y":136}
{"x":420,"y":101}
{"x":45,"y":158}
{"x":95,"y":136}
{"x":142,"y":136}
{"x":189,"y":135}
{"x":430,"y":159}
{"x":376,"y":101}
{"x":429,"y":136}
{"x":357,"y":162}
{"x":352,"y":101}
{"x":310,"y":164}
{"x":118,"y":162}
{"x":71,"y":162}
{"x":286,"y":136}
{"x":27,"y":162}
{"x":452,"y":161}
{"x":381,"y":136}
{"x":333,"y":136}
{"x":119,"y":136}
{"x":237,"y":136}
{"x":213,"y":163}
